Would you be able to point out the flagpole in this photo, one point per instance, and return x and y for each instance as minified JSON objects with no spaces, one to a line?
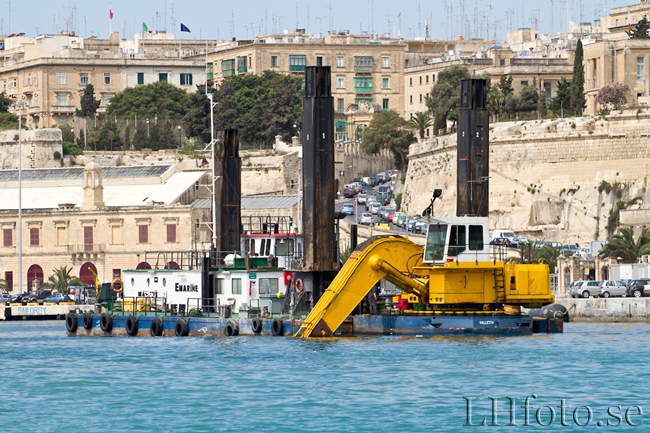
{"x":110,"y":19}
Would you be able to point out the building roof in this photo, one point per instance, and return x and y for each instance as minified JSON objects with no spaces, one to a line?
{"x":256,"y":202}
{"x":133,"y":186}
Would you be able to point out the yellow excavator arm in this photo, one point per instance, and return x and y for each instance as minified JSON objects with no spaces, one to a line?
{"x":382,"y":257}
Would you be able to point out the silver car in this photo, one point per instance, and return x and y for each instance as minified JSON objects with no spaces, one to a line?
{"x":366,"y":218}
{"x":613,"y":288}
{"x":586,"y":289}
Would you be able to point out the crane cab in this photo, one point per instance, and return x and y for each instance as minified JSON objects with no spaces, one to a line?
{"x":457,"y":239}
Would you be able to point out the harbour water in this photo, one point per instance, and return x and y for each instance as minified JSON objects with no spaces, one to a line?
{"x":54,"y":383}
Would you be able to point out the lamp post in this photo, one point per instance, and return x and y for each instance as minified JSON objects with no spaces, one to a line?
{"x":20,"y":104}
{"x":180,"y":138}
{"x":147,"y":127}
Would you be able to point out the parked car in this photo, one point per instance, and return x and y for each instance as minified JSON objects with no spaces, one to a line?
{"x":365,"y":218}
{"x":638,"y":288}
{"x":390,"y":214}
{"x":4,"y":298}
{"x":361,"y":198}
{"x":57,"y":298}
{"x":555,"y":245}
{"x":506,"y":242}
{"x":570,"y":249}
{"x":348,"y":208}
{"x":38,"y":296}
{"x":612,"y":288}
{"x":409,"y":224}
{"x":573,"y":287}
{"x":349,"y":193}
{"x":508,"y":234}
{"x":374,"y":208}
{"x":586,"y":289}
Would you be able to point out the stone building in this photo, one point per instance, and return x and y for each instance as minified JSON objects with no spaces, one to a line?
{"x":98,"y":220}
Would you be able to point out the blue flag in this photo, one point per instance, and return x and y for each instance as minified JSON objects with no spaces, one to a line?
{"x":184,"y":28}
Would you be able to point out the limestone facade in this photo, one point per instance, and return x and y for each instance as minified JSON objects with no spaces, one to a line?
{"x":545,"y":175}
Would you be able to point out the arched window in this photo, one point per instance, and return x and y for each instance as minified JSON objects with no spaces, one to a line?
{"x":86,"y":275}
{"x":34,"y":273}
{"x":143,"y":265}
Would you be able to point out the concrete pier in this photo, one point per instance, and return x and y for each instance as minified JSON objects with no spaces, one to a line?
{"x":607,"y":309}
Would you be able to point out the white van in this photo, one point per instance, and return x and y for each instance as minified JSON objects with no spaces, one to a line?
{"x":508,"y":234}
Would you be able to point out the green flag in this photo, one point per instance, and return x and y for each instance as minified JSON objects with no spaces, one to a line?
{"x":145,"y":28}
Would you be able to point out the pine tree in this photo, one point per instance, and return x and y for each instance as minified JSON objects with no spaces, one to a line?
{"x":562,"y":96}
{"x":577,"y":90}
{"x":89,"y":104}
{"x":640,"y":30}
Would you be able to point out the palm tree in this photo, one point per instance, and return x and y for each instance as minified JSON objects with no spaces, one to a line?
{"x":420,"y":122}
{"x":4,"y":287}
{"x":548,"y":255}
{"x":623,"y":247}
{"x":61,"y":279}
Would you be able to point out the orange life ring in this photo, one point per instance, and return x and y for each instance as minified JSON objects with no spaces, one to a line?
{"x":121,"y":287}
{"x":298,"y":286}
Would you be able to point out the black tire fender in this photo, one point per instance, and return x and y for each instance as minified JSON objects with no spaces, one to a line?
{"x":181,"y":329}
{"x":256,"y":325}
{"x":106,"y":322}
{"x":231,"y":329}
{"x":87,"y":321}
{"x":71,"y":322}
{"x":131,"y":325}
{"x":277,"y":327}
{"x":156,"y":328}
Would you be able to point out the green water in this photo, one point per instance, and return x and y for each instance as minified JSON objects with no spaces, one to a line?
{"x":53,"y":383}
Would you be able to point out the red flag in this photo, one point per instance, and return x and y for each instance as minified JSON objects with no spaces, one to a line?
{"x":111,"y":13}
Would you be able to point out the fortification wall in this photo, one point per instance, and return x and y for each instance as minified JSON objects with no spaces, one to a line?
{"x":545,"y":175}
{"x":38,"y":147}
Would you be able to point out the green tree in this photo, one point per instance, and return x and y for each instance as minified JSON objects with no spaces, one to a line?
{"x":159,"y":98}
{"x":562,"y":97}
{"x":445,"y":95}
{"x":4,"y":286}
{"x":624,"y":248}
{"x":140,"y":139}
{"x":541,"y":105}
{"x":89,"y":104}
{"x":196,"y":122}
{"x":388,"y":130}
{"x":420,"y":122}
{"x":505,"y":86}
{"x":612,"y":94}
{"x":260,"y":106}
{"x":8,"y":121}
{"x":549,"y":255}
{"x":640,"y":30}
{"x":61,"y":279}
{"x":577,"y":89}
{"x":5,"y":102}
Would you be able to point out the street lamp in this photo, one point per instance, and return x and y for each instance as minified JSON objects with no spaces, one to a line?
{"x":20,"y":105}
{"x":147,"y":127}
{"x":180,"y":138}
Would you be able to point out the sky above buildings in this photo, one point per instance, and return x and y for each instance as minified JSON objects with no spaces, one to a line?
{"x":246,"y":18}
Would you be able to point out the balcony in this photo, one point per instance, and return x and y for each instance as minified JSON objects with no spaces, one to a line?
{"x":85,"y":252}
{"x":63,"y":109}
{"x":34,"y":109}
{"x":363,"y":89}
{"x":363,"y":64}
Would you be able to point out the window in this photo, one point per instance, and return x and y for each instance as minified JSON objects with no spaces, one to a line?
{"x":362,"y":84}
{"x":640,"y":68}
{"x":241,"y":64}
{"x":435,"y":246}
{"x":411,"y":99}
{"x":363,"y":63}
{"x":186,"y":79}
{"x":33,"y":236}
{"x":284,"y":248}
{"x":433,"y":78}
{"x":384,"y":62}
{"x":35,"y":79}
{"x":406,"y":63}
{"x":107,"y":78}
{"x":420,"y":97}
{"x":83,"y":78}
{"x":420,"y":80}
{"x":35,"y":100}
{"x":140,"y":77}
{"x":340,"y":62}
{"x":297,"y":62}
{"x":116,"y":234}
{"x":340,"y":107}
{"x":524,"y":83}
{"x":502,"y":62}
{"x":162,"y":77}
{"x":236,"y":286}
{"x":319,"y":61}
{"x":340,"y":83}
{"x":171,"y":233}
{"x":427,"y":79}
{"x":9,"y":278}
{"x":227,"y":67}
{"x":274,"y":61}
{"x":268,"y":286}
{"x":88,"y":238}
{"x":475,"y":238}
{"x":457,"y":240}
{"x":427,"y":132}
{"x":410,"y":81}
{"x":385,"y":83}
{"x":61,"y":238}
{"x":106,"y":100}
{"x":385,"y":104}
{"x":219,"y":286}
{"x":143,"y":234}
{"x":61,"y":100}
{"x":61,"y":77}
{"x":7,"y":237}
